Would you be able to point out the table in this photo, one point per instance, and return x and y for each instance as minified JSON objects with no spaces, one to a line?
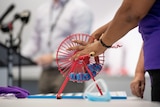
{"x":130,"y":102}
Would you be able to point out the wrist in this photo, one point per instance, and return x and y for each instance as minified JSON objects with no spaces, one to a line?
{"x":104,"y":45}
{"x":139,"y":74}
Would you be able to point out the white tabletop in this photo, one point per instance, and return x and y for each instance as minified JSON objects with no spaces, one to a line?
{"x":130,"y":102}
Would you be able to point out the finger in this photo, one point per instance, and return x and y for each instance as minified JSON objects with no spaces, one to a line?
{"x":77,"y":55}
{"x":137,"y":89}
{"x":78,"y":48}
{"x":133,"y":88}
{"x":83,"y":43}
{"x":91,"y":39}
{"x":142,"y":89}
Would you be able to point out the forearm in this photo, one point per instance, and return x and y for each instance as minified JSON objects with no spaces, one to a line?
{"x":138,"y":83}
{"x":97,"y":34}
{"x":127,"y":17}
{"x":121,"y":24}
{"x":140,"y":64}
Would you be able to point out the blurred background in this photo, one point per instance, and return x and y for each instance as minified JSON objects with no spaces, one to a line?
{"x":119,"y":65}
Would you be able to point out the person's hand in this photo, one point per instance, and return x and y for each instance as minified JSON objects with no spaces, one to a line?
{"x":138,"y":85}
{"x":44,"y":60}
{"x":85,"y":48}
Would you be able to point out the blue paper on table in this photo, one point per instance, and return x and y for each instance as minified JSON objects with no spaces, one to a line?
{"x":114,"y":95}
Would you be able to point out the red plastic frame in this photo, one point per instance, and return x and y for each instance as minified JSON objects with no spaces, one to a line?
{"x":80,"y":66}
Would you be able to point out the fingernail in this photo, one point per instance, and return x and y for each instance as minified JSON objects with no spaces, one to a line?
{"x":76,"y":59}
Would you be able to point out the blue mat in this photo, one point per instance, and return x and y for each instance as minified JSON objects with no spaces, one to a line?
{"x":114,"y":95}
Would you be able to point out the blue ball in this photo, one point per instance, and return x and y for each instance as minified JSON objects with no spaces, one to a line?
{"x":86,"y":76}
{"x":72,"y":76}
{"x":79,"y":76}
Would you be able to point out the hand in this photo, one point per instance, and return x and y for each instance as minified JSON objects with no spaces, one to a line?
{"x":138,"y":85}
{"x":86,"y":48}
{"x":44,"y":60}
